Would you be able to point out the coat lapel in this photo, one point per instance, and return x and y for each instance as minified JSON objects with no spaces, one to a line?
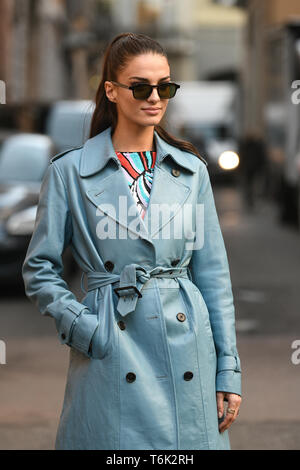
{"x":166,"y":199}
{"x":111,"y":193}
{"x":113,"y":197}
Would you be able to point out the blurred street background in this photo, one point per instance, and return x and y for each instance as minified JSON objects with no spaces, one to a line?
{"x":238,"y":64}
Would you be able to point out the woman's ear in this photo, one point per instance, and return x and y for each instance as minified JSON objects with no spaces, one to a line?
{"x":110,"y":91}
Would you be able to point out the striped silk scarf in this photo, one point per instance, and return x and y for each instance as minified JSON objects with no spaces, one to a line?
{"x":138,"y":168}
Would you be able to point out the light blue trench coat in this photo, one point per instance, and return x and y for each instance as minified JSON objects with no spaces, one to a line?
{"x":165,"y":342}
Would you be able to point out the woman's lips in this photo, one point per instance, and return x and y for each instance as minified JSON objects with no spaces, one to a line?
{"x":151,"y":110}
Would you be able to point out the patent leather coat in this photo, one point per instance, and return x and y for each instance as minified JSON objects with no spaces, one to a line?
{"x":153,"y":337}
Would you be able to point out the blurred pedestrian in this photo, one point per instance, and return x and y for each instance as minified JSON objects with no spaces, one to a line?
{"x":252,"y":167}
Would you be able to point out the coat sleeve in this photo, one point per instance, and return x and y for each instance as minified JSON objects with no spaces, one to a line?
{"x":42,"y":267}
{"x":210,"y":272}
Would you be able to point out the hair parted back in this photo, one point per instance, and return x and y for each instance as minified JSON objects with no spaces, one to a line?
{"x":116,"y":56}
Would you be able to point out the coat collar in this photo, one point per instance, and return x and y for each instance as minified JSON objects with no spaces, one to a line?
{"x":98,"y":150}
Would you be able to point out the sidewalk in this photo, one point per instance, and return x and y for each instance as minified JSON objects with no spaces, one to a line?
{"x":270,"y":414}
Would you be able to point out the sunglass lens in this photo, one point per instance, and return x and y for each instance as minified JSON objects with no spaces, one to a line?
{"x":167,"y":90}
{"x":164,"y":91}
{"x":142,"y":92}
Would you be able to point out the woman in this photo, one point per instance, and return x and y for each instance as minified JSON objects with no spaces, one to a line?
{"x":152,"y":344}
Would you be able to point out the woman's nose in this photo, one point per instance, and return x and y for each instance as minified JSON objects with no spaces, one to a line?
{"x":154,"y":95}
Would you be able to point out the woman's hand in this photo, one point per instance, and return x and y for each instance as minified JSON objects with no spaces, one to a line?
{"x":234,"y":402}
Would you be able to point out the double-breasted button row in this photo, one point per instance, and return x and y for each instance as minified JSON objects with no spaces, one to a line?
{"x":131,"y":377}
{"x":109,"y":265}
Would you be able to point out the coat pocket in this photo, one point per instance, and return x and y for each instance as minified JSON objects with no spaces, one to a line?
{"x":203,"y":311}
{"x":102,"y":339}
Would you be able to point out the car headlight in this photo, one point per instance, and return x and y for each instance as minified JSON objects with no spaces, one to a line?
{"x":229,"y":160}
{"x":22,"y":223}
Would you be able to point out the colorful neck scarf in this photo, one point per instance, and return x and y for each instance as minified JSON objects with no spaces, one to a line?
{"x":138,"y":168}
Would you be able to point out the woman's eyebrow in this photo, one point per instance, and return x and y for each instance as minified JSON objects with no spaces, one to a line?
{"x":146,"y":79}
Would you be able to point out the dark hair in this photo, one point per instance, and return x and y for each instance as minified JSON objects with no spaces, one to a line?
{"x":116,"y":56}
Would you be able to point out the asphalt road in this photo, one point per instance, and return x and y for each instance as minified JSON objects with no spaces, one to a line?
{"x":265,"y":270}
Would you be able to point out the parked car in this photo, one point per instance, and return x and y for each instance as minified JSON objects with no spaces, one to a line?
{"x":68,"y":123}
{"x":24,"y":158}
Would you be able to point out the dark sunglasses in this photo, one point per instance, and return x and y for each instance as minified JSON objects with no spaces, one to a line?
{"x":142,"y":91}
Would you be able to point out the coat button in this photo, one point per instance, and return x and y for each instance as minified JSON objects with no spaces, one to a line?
{"x":130,"y":377}
{"x":63,"y":336}
{"x":181,"y":316}
{"x":174,"y":262}
{"x":175,"y":172}
{"x":109,"y":266}
{"x":188,"y":375}
{"x":121,"y":325}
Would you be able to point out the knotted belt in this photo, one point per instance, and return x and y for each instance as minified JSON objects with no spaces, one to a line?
{"x":131,"y":280}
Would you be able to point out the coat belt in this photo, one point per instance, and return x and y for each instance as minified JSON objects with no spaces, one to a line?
{"x":131,"y":280}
